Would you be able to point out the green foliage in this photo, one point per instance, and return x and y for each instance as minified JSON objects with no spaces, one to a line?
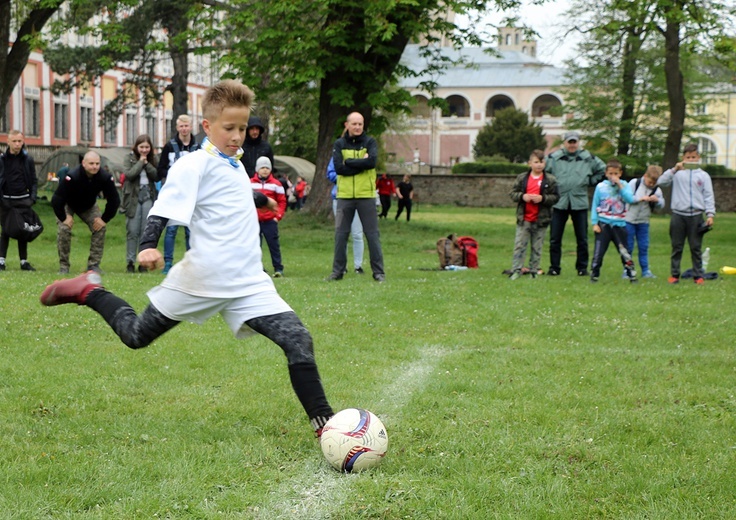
{"x":511,"y":135}
{"x":490,"y":167}
{"x":525,"y":399}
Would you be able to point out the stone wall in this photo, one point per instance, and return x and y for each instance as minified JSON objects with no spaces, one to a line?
{"x":486,"y":190}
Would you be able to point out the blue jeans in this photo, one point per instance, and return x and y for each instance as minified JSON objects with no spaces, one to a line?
{"x":640,"y":232}
{"x":170,"y":241}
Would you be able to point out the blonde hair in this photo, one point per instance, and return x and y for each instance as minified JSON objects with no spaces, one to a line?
{"x":653,"y":171}
{"x":183,"y":119}
{"x":228,"y":93}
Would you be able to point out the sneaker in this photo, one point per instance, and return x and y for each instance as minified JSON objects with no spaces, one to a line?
{"x":380,"y":278}
{"x":73,"y":290}
{"x":334,"y":277}
{"x":515,"y":276}
{"x":2,"y":267}
{"x":633,"y":279}
{"x":533,"y":275}
{"x":583,"y":272}
{"x":95,"y":268}
{"x":593,"y":278}
{"x":130,"y":268}
{"x":26,"y":266}
{"x":553,"y":272}
{"x":699,"y":281}
{"x":359,"y":270}
{"x":673,"y":280}
{"x":648,"y":274}
{"x":278,"y":274}
{"x":63,"y":270}
{"x":142,"y":269}
{"x":624,"y":275}
{"x":167,"y":267}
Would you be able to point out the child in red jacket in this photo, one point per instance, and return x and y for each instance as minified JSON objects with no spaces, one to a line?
{"x":264,"y":182}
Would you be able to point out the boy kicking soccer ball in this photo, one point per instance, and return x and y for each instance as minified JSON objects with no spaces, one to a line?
{"x":210,"y":192}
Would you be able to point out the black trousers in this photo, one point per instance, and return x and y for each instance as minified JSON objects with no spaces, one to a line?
{"x":557,"y":229}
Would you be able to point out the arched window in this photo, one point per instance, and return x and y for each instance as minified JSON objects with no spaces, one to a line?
{"x":707,"y":149}
{"x":421,"y":107}
{"x":497,"y":103}
{"x":543,"y":104}
{"x":508,"y":39}
{"x":458,"y":106}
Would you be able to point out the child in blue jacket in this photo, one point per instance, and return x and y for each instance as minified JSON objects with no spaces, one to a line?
{"x":608,"y":216}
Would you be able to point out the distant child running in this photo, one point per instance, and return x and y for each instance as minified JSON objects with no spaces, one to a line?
{"x":692,"y":196}
{"x":608,"y":216}
{"x":647,"y":198}
{"x":535,"y":192}
{"x":209,"y":191}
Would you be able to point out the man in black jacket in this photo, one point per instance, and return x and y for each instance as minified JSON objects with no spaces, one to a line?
{"x":77,"y":194}
{"x":18,"y":185}
{"x":255,"y":147}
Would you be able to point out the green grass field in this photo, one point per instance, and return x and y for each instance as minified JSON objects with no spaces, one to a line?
{"x":547,"y":398}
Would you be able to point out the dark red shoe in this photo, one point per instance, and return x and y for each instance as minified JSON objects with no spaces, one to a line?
{"x":73,"y":290}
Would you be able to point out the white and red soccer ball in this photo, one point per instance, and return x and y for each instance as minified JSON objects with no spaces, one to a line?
{"x":354,"y":440}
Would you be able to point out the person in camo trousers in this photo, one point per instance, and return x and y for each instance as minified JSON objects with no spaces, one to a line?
{"x":77,"y":195}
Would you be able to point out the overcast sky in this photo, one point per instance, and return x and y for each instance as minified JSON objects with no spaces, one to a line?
{"x":548,"y":21}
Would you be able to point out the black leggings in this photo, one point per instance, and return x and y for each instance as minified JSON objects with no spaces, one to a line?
{"x":284,"y":329}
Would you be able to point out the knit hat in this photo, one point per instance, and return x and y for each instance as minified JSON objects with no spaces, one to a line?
{"x":263,"y":162}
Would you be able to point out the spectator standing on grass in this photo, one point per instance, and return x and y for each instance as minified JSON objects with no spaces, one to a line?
{"x":356,"y":228}
{"x":405,"y":193}
{"x":18,"y":189}
{"x":386,"y":189}
{"x":139,"y":194}
{"x":268,"y":219}
{"x":608,"y":216}
{"x":77,"y":195}
{"x":179,"y":146}
{"x":255,"y":146}
{"x":355,"y":155}
{"x":300,"y":191}
{"x":692,"y":198}
{"x":575,"y":170}
{"x":535,"y":192}
{"x":210,"y":191}
{"x":647,"y":198}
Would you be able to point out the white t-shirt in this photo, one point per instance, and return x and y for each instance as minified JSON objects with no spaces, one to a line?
{"x":215,"y":200}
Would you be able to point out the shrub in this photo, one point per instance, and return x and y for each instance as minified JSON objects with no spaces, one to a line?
{"x":490,"y":167}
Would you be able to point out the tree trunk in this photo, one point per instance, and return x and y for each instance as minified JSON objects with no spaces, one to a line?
{"x":675,"y":87}
{"x":14,"y":60}
{"x":632,"y":47}
{"x":176,"y":25}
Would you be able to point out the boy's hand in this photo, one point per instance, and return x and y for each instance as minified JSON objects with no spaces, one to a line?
{"x":709,"y":221}
{"x":679,"y":166}
{"x":596,"y":228}
{"x":151,"y":259}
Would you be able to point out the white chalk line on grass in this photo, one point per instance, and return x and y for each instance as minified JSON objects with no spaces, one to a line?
{"x":317,"y":491}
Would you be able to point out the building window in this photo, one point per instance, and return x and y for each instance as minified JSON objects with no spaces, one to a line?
{"x":707,"y":149}
{"x":32,"y":119}
{"x":456,"y":106}
{"x":151,"y":129}
{"x":85,"y":119}
{"x":131,"y":128}
{"x":110,"y":126}
{"x":700,"y":109}
{"x":61,"y":121}
{"x":5,"y":120}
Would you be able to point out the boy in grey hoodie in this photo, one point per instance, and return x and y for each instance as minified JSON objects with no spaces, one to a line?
{"x":692,"y":196}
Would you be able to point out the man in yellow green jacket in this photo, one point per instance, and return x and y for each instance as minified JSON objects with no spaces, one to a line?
{"x":354,"y":156}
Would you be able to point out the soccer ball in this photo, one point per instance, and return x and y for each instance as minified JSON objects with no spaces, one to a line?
{"x":354,"y":440}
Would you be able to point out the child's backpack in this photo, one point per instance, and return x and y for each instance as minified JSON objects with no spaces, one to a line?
{"x":470,"y":247}
{"x":454,"y":250}
{"x":449,"y":251}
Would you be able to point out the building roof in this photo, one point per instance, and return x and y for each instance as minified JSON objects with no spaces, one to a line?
{"x":483,"y":69}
